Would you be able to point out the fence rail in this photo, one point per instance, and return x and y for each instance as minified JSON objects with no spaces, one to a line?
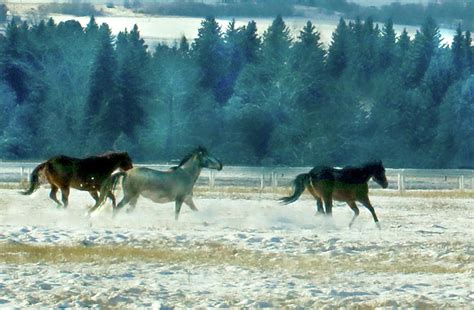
{"x":270,"y":178}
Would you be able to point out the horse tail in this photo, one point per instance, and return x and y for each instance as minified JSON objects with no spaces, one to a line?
{"x":299,"y":185}
{"x":34,"y":179}
{"x":107,"y":186}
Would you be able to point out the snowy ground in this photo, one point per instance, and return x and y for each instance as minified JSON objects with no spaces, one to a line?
{"x":236,"y":252}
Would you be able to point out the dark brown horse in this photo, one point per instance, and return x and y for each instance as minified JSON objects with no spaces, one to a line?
{"x":175,"y":184}
{"x":348,"y":184}
{"x":87,"y":174}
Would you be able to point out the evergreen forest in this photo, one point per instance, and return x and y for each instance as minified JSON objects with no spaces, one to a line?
{"x":251,"y":100}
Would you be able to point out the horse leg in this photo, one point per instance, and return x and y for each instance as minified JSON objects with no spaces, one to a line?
{"x":65,"y":194}
{"x":177,"y":207}
{"x":354,"y":208}
{"x":189,"y":201}
{"x":366,"y":202}
{"x":328,"y":204}
{"x":52,"y":194}
{"x":95,"y":196}
{"x":133,"y":204}
{"x":126,"y":199}
{"x":112,"y":197}
{"x":319,"y":203}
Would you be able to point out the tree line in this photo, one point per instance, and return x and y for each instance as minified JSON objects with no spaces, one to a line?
{"x":254,"y":100}
{"x":448,"y":12}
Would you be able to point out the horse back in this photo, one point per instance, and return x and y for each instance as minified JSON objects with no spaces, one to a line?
{"x":84,"y":174}
{"x":146,"y":179}
{"x":61,"y":165}
{"x":322,"y":173}
{"x":341,"y":184}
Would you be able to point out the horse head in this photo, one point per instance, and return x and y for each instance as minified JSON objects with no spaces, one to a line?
{"x":377,"y":171}
{"x":201,"y":157}
{"x":124,"y":161}
{"x":206,"y":160}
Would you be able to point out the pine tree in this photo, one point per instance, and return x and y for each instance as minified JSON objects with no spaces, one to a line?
{"x":250,"y":43}
{"x":133,"y":85}
{"x":276,"y":42}
{"x":337,"y":54}
{"x":439,"y":76}
{"x":469,"y":52}
{"x":262,"y":96}
{"x":454,"y":145}
{"x":363,"y":52}
{"x":309,"y":94}
{"x":104,"y":114}
{"x":172,"y":76}
{"x":234,"y":56}
{"x":403,"y":47}
{"x":15,"y":68}
{"x":386,"y":129}
{"x":387,"y":50}
{"x":20,"y":69}
{"x":307,"y":61}
{"x":425,"y":45}
{"x":92,"y":29}
{"x":209,"y":52}
{"x":183,"y":47}
{"x":458,"y":53}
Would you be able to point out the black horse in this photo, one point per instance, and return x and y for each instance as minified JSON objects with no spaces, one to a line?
{"x":86,"y":174}
{"x":348,"y":184}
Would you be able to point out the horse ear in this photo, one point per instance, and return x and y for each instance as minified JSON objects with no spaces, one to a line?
{"x":201,"y":149}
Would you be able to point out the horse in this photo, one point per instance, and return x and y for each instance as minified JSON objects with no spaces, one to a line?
{"x":348,"y":184}
{"x":86,"y":174}
{"x":175,"y":184}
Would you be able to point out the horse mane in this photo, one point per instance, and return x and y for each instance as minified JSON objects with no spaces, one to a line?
{"x":110,"y":154}
{"x":199,"y":149}
{"x":370,"y":165}
{"x":353,"y":174}
{"x":373,"y":165}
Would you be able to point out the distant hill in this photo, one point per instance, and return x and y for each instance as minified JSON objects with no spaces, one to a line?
{"x":384,"y":2}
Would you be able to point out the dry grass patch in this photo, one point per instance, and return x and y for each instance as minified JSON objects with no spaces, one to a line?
{"x":213,"y":254}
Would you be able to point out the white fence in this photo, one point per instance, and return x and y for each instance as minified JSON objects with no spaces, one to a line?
{"x":271,"y":178}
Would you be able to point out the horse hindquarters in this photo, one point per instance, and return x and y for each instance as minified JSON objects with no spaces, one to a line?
{"x":34,"y":179}
{"x":300,"y":183}
{"x":322,"y":191}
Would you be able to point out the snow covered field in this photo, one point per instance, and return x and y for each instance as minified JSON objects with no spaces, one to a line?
{"x":236,"y":252}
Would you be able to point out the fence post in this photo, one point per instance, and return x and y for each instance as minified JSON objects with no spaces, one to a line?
{"x":401,"y":181}
{"x":22,"y":172}
{"x":261,"y":180}
{"x":211,"y":179}
{"x":273,"y":180}
{"x":461,"y":182}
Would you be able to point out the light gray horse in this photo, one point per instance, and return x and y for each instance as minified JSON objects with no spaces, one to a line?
{"x":175,"y":184}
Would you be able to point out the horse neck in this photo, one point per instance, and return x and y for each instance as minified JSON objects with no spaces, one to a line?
{"x":367,"y":173}
{"x":192,"y":167}
{"x":112,"y":163}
